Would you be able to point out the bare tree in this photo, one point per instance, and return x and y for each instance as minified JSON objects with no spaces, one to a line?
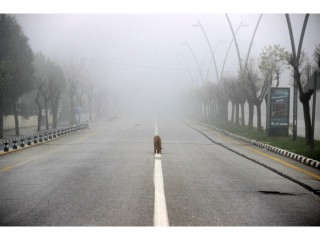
{"x":90,"y":95}
{"x":257,"y":88}
{"x":295,"y":62}
{"x":56,"y":90}
{"x":242,"y":68}
{"x":237,"y":97}
{"x":49,"y":83}
{"x":73,"y":72}
{"x":316,"y":55}
{"x":230,"y":84}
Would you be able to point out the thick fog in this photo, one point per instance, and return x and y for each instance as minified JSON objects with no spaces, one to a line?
{"x":144,"y":60}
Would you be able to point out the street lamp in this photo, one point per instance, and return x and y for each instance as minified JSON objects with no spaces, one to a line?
{"x":188,"y":67}
{"x":225,"y":59}
{"x":212,"y":52}
{"x":185,"y":43}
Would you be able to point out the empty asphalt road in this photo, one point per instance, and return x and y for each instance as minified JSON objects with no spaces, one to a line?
{"x":108,"y":175}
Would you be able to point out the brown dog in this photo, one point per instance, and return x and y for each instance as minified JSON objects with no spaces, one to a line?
{"x":157,"y":144}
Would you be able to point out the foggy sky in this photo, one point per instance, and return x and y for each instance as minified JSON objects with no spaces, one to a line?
{"x":142,"y":54}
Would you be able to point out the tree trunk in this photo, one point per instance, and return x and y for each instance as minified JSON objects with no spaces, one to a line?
{"x":237,"y":114}
{"x":258,"y":105}
{"x":251,"y":113}
{"x":223,"y":110}
{"x":304,"y":98}
{"x":54,"y":117}
{"x":46,"y":112}
{"x":1,"y":117}
{"x":16,"y":120}
{"x":226,"y":116}
{"x":90,"y":109}
{"x":232,"y":113}
{"x":212,"y":106}
{"x":295,"y":62}
{"x":55,"y":103}
{"x":39,"y":112}
{"x":307,"y":122}
{"x":242,"y":115}
{"x":72,"y":115}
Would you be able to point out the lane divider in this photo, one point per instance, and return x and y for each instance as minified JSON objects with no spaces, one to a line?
{"x":160,"y":207}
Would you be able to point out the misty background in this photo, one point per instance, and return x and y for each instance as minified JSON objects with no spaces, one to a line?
{"x":143,"y":61}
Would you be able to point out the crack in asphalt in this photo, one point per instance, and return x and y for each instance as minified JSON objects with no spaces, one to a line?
{"x":307,"y":187}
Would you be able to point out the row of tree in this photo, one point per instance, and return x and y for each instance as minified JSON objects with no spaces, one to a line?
{"x":252,"y":82}
{"x":16,"y":69}
{"x":23,"y":72}
{"x":251,"y":88}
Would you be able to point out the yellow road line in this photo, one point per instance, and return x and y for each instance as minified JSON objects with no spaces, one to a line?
{"x":27,"y":161}
{"x":316,"y":176}
{"x":7,"y":168}
{"x":81,"y":139}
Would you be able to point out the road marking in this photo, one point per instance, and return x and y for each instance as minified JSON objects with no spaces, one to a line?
{"x":285,"y":163}
{"x":156,"y":131}
{"x":7,"y":168}
{"x":160,"y":207}
{"x":276,"y":159}
{"x":80,"y":139}
{"x":30,"y":160}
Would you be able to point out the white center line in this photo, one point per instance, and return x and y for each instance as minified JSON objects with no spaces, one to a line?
{"x":160,"y":206}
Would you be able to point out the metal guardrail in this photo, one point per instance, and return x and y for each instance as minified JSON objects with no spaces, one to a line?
{"x":39,"y":137}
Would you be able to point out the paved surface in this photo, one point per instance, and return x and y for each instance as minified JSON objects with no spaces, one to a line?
{"x":10,"y":134}
{"x":104,"y":176}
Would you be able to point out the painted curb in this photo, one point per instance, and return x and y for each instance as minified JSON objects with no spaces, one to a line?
{"x":305,"y":160}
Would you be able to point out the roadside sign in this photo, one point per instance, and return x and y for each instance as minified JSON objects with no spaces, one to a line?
{"x":278,"y":116}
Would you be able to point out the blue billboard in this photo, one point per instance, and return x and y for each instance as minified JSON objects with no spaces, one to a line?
{"x":279,"y":107}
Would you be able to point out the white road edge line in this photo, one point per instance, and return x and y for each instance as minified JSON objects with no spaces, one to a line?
{"x":160,"y":207}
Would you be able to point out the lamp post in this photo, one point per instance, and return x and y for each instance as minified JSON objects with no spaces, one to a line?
{"x":185,"y":43}
{"x":185,"y":61}
{"x":212,"y":52}
{"x":232,"y":40}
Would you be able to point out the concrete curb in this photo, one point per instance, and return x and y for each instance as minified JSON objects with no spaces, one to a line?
{"x":307,"y":161}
